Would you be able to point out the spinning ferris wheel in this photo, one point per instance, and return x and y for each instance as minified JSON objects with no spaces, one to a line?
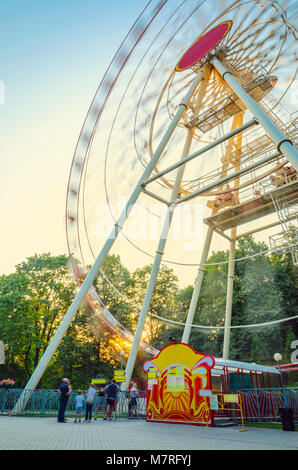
{"x":196,"y":103}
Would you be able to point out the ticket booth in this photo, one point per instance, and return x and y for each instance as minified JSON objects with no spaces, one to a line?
{"x":179,"y":386}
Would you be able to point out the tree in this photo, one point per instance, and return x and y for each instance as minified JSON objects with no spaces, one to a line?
{"x":79,"y":355}
{"x":210,"y":310}
{"x":14,"y":325}
{"x":32,"y":303}
{"x":163,"y":303}
{"x":115,"y":274}
{"x":258,"y":298}
{"x":34,"y":299}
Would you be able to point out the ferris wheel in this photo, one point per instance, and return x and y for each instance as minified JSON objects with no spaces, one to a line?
{"x":191,"y":106}
{"x":155,"y":67}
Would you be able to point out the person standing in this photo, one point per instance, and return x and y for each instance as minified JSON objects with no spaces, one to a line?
{"x":133,"y":399}
{"x":79,"y":406}
{"x":101,"y":402}
{"x":69,"y":390}
{"x":64,"y":392}
{"x":112,"y":390}
{"x":91,"y":392}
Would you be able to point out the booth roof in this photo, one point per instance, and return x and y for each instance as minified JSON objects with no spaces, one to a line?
{"x":246,"y":366}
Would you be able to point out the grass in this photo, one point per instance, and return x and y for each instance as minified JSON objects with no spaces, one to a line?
{"x":266,"y":425}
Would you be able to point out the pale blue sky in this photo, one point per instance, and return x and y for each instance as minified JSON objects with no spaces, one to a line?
{"x":53,"y":55}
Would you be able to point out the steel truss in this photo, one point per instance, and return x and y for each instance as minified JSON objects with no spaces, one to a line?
{"x":241,"y":160}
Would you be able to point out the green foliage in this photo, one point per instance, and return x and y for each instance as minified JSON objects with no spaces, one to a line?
{"x":211,"y":306}
{"x":260,"y":297}
{"x":34,"y":299}
{"x":163,"y":303}
{"x":32,"y":303}
{"x":122,"y":280}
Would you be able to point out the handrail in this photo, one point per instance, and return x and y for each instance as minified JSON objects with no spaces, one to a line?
{"x":46,"y":402}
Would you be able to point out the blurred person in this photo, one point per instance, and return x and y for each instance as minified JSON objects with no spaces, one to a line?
{"x":101,"y":402}
{"x":91,"y":393}
{"x":133,"y":399}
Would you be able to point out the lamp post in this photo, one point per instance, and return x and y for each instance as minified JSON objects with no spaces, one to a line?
{"x":122,"y":354}
{"x":2,"y":353}
{"x":278,"y":358}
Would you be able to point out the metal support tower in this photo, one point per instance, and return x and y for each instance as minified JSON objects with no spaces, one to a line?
{"x":283,"y":145}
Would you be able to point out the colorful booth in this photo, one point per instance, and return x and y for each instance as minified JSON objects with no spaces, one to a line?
{"x":179,"y":386}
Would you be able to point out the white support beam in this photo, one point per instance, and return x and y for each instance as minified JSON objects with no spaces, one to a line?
{"x":226,"y":179}
{"x":205,"y":149}
{"x":155,"y":196}
{"x":197,"y":287}
{"x":229,"y":300}
{"x":155,"y":269}
{"x":283,"y":143}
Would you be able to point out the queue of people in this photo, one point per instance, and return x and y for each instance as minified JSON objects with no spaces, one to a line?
{"x":104,"y":400}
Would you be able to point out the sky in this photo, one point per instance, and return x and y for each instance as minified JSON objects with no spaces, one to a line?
{"x":53,"y":56}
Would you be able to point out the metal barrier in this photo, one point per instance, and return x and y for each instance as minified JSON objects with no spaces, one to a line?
{"x":258,"y":405}
{"x":46,"y":402}
{"x":262,"y":404}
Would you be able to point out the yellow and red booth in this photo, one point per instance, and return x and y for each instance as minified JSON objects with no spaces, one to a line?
{"x":179,"y":386}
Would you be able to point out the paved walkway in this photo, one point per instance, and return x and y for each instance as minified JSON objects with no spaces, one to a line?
{"x":22,"y":433}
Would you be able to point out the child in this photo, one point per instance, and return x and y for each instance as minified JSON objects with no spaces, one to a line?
{"x":79,"y":406}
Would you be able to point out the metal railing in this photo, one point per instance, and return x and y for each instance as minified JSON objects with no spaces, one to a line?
{"x":263,"y":404}
{"x":46,"y":403}
{"x":259,"y":405}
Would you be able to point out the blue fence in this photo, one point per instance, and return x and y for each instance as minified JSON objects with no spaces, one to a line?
{"x":46,"y":402}
{"x":259,"y":405}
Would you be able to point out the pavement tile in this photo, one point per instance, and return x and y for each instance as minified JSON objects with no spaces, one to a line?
{"x":25,"y":433}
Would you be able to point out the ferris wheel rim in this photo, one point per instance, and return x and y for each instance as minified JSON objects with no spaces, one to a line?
{"x":91,"y":135}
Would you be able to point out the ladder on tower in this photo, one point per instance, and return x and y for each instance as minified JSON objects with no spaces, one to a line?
{"x":282,"y":189}
{"x":287,"y":213}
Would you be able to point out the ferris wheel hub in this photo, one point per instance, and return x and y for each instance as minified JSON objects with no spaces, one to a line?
{"x":203,"y":45}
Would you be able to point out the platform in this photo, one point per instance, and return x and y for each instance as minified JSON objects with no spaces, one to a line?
{"x":252,"y":209}
{"x":231,"y":105}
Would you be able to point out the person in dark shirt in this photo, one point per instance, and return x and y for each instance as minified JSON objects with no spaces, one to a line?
{"x":64,"y":392}
{"x":112,"y":390}
{"x":101,"y":402}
